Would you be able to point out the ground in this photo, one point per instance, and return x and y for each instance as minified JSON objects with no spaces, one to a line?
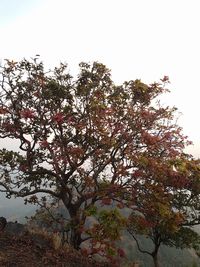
{"x":28,"y":249}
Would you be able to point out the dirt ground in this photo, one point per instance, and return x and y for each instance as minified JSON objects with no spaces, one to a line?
{"x":27,"y":250}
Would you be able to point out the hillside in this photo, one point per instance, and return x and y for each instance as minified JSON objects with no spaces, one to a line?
{"x":169,"y":257}
{"x":19,"y":247}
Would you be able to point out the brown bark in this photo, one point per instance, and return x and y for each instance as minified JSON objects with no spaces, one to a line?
{"x":155,"y":260}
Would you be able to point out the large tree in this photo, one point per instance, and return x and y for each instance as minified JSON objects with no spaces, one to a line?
{"x":80,"y":140}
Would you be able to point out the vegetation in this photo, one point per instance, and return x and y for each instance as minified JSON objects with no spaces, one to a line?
{"x":163,"y":211}
{"x":168,"y":256}
{"x":87,"y":141}
{"x":38,"y":248}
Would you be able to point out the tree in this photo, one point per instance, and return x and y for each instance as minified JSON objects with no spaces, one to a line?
{"x":81,"y":140}
{"x":167,"y":204}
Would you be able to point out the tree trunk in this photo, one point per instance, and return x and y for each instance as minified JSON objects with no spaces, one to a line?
{"x":155,"y":260}
{"x":75,"y":238}
{"x":75,"y":233}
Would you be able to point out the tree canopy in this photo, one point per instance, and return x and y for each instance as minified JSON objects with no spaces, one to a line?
{"x":86,"y":141}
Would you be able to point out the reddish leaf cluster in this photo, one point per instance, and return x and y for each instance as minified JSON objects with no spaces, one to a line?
{"x":28,"y":114}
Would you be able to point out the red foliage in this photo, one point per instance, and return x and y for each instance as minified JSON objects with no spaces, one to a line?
{"x":106,"y":201}
{"x":28,"y":114}
{"x":9,"y":127}
{"x":58,"y":118}
{"x":70,"y":119}
{"x":23,"y":167}
{"x":121,"y":253}
{"x":165,"y":79}
{"x":3,"y":111}
{"x":120,"y":205}
{"x":85,"y":252}
{"x":44,"y":144}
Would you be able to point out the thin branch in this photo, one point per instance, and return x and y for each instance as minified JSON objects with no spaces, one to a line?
{"x":25,"y":194}
{"x":138,"y":245}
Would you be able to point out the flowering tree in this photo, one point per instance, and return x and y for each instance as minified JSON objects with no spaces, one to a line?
{"x":167,"y":203}
{"x":82,"y":140}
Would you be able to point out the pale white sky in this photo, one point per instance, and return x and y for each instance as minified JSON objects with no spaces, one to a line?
{"x":144,"y":39}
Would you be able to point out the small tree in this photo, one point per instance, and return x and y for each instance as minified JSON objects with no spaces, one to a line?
{"x":167,"y":204}
{"x":80,"y":140}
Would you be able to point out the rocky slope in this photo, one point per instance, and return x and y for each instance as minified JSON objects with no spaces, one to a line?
{"x":21,"y":248}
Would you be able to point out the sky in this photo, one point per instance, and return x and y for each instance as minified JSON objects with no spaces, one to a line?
{"x":136,"y":39}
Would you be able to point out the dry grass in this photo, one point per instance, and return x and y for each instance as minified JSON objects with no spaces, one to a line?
{"x":54,"y":239}
{"x":39,"y":248}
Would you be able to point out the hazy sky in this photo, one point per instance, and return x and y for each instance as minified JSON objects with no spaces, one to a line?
{"x":144,"y":39}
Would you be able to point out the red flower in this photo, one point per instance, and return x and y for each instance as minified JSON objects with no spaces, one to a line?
{"x":27,"y":114}
{"x":44,"y":144}
{"x":165,"y":79}
{"x":70,"y":119}
{"x":58,"y":117}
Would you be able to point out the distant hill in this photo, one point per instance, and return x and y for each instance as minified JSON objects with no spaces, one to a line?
{"x":168,"y":257}
{"x":14,"y":209}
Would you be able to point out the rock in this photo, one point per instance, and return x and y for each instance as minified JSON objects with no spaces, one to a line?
{"x":15,"y":228}
{"x":3,"y":223}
